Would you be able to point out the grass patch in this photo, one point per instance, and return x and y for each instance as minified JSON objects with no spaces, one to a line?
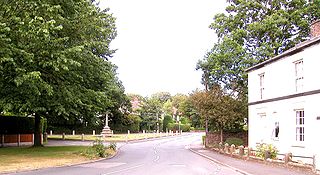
{"x":27,"y":158}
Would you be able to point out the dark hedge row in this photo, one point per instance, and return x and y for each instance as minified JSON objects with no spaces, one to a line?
{"x":19,"y":125}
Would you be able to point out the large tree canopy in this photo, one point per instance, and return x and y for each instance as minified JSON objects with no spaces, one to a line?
{"x":54,"y":58}
{"x":251,"y":32}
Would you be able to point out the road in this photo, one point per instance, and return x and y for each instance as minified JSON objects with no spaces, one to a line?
{"x":169,"y":156}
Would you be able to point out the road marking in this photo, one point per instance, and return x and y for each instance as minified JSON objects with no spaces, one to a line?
{"x":125,"y":169}
{"x":178,"y":165}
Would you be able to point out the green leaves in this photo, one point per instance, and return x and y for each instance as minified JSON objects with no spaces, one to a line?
{"x":251,"y":32}
{"x":54,"y":59}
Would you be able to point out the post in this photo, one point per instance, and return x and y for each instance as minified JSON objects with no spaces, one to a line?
{"x":18,"y":142}
{"x":287,"y":158}
{"x":128,"y":132}
{"x":241,"y":150}
{"x":267,"y":155}
{"x":82,"y":137}
{"x":51,"y":132}
{"x":41,"y":138}
{"x":249,"y":152}
{"x":73,"y":132}
{"x":63,"y":136}
{"x":226,"y":148}
{"x":232,"y":149}
{"x":2,"y":140}
{"x":93,"y":132}
{"x":45,"y":137}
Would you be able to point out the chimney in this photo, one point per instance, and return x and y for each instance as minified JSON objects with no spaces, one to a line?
{"x":315,"y":28}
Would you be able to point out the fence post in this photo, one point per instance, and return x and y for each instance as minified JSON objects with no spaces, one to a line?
{"x":226,"y":148}
{"x":82,"y":137}
{"x":73,"y":132}
{"x":287,"y":157}
{"x":232,"y":148}
{"x":94,"y":132}
{"x":249,"y":152}
{"x":2,"y":140}
{"x":63,"y":136}
{"x":51,"y":132}
{"x":241,"y":150}
{"x":18,"y":142}
{"x":45,"y":137}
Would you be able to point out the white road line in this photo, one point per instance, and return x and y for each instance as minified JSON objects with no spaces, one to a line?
{"x":125,"y":169}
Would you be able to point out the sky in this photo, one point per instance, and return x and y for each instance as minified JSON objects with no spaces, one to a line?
{"x":159,"y":43}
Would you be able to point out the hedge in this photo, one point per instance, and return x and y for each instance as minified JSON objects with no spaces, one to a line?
{"x":19,"y":125}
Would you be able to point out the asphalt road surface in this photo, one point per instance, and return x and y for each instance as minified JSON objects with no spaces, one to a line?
{"x":169,"y":156}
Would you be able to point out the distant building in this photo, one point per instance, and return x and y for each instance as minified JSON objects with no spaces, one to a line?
{"x":284,"y":99}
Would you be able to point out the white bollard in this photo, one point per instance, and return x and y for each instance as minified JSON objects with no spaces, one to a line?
{"x":128,"y":131}
{"x":73,"y":132}
{"x":94,"y":132}
{"x":51,"y":132}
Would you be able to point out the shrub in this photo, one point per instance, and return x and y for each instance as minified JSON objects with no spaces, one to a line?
{"x":113,"y":146}
{"x":235,"y":141}
{"x":262,"y":148}
{"x":166,"y":120}
{"x":99,"y":148}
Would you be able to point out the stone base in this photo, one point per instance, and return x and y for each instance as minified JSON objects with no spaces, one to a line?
{"x":106,"y":132}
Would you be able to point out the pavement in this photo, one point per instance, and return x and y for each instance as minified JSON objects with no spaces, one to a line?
{"x":247,"y":167}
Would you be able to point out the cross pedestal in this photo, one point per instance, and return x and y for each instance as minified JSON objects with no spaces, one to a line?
{"x":106,"y":131}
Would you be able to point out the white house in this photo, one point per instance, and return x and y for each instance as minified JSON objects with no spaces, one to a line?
{"x":284,"y":100}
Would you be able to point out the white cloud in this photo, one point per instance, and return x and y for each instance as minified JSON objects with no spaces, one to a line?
{"x":160,"y":41}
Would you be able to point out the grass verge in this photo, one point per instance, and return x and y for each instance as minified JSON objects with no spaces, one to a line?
{"x":113,"y":138}
{"x":29,"y":158}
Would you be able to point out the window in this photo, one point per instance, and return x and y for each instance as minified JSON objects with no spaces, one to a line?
{"x":300,"y":125}
{"x":299,"y":75}
{"x":276,"y":130}
{"x":261,"y":85}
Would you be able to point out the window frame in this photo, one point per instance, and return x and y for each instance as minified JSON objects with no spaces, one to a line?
{"x":300,"y":125}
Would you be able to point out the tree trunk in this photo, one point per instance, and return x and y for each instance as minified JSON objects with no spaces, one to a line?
{"x":221,"y":135}
{"x":37,"y":131}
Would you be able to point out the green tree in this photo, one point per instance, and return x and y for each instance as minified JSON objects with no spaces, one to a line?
{"x":251,"y":32}
{"x":222,"y":111}
{"x":166,"y":120}
{"x":54,"y":59}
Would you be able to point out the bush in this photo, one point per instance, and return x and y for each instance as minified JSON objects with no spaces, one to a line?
{"x":166,"y":120}
{"x":235,"y":141}
{"x":99,"y":148}
{"x":19,"y":125}
{"x":262,"y":148}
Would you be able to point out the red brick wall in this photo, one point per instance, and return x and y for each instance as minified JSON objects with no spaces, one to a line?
{"x":214,"y":138}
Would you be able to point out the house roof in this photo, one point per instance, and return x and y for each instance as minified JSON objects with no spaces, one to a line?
{"x":289,"y":52}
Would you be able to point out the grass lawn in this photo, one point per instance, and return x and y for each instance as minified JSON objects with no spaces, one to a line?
{"x":27,"y":158}
{"x":114,"y":138}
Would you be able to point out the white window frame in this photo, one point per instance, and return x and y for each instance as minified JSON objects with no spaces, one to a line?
{"x":300,"y":129}
{"x":298,"y":67}
{"x":261,"y":87}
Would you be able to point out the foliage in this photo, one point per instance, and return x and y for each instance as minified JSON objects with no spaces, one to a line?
{"x":19,"y":125}
{"x":175,"y":127}
{"x":262,"y":148}
{"x":235,"y":141}
{"x":113,"y":146}
{"x":166,"y":120}
{"x":54,"y":60}
{"x":223,"y":111}
{"x":250,"y":32}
